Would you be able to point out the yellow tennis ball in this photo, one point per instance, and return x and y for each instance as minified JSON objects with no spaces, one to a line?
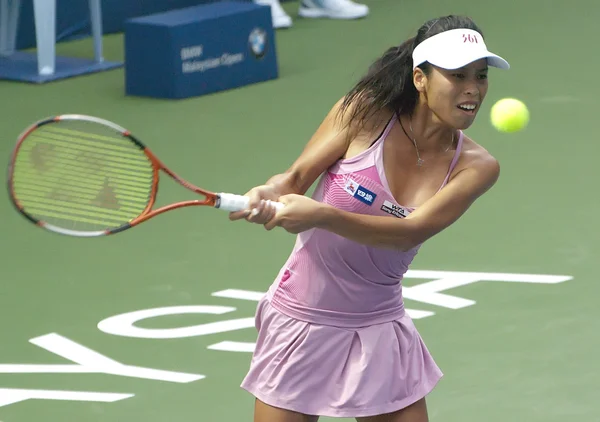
{"x":509,"y":115}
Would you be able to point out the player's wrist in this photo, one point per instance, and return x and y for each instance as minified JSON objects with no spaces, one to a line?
{"x":281,"y":184}
{"x":324,"y":215}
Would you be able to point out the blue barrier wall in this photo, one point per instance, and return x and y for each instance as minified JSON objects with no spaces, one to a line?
{"x":72,"y":16}
{"x":199,"y":50}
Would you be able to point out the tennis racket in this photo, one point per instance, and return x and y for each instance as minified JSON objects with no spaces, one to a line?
{"x":84,"y":176}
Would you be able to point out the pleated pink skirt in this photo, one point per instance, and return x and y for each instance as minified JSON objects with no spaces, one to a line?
{"x":338,"y":372}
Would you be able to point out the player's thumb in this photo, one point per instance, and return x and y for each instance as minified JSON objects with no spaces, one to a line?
{"x":272,"y":223}
{"x":239,"y":215}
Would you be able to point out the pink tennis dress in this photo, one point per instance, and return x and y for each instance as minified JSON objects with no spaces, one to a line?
{"x":333,"y":337}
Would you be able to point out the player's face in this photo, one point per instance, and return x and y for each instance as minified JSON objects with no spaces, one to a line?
{"x":455,"y":96}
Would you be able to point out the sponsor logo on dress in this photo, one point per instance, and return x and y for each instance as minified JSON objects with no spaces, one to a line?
{"x":359,"y":192}
{"x":394,"y":209}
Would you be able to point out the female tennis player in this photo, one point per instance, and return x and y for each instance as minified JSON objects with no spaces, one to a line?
{"x":395,"y":169}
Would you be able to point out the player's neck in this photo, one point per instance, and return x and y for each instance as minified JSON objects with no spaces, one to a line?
{"x":429,"y":133}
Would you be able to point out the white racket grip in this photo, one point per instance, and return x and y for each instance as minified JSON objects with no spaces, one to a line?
{"x":232,"y":202}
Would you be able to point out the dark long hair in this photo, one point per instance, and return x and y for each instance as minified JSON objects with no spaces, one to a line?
{"x":388,"y":83}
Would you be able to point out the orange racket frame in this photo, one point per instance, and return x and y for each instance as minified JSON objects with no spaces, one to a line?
{"x":224,"y":201}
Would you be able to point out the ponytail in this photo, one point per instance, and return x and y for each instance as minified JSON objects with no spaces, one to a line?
{"x":388,"y":84}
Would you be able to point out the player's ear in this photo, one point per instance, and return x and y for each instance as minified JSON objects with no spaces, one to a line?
{"x":419,"y":79}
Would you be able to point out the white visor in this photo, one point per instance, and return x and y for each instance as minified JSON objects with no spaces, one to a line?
{"x":454,"y":49}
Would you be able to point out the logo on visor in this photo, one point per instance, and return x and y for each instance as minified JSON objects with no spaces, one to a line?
{"x":470,"y":38}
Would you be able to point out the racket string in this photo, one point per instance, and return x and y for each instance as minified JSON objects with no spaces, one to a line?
{"x":82,"y":176}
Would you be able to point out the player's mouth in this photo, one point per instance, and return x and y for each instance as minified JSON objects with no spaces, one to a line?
{"x":469,"y":107}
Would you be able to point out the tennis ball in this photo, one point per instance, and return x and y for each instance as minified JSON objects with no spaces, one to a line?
{"x":509,"y":115}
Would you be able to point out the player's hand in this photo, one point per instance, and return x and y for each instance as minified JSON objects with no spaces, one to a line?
{"x":300,"y":213}
{"x":260,"y":210}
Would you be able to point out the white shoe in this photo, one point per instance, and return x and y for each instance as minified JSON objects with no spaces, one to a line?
{"x":280,"y":18}
{"x":332,"y":9}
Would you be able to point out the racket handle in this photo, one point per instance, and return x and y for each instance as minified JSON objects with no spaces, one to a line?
{"x":232,"y":202}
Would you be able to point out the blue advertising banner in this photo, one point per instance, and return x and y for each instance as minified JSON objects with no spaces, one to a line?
{"x":199,"y":50}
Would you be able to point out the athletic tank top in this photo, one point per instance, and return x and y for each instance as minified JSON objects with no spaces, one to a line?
{"x":331,"y":280}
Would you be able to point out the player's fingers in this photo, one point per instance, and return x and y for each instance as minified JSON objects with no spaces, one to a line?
{"x":256,"y":213}
{"x":265,"y":213}
{"x":238,"y":215}
{"x":273,"y":217}
{"x":253,"y":201}
{"x":271,"y":210}
{"x":272,"y":223}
